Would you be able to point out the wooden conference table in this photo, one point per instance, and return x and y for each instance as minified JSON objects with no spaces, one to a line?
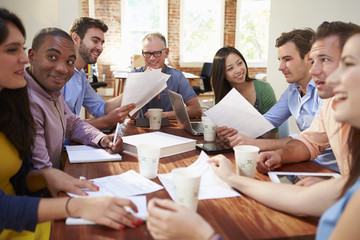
{"x":233,"y":218}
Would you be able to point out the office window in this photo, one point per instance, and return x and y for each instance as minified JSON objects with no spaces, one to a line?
{"x":201,"y":31}
{"x":138,"y":18}
{"x":252,"y":32}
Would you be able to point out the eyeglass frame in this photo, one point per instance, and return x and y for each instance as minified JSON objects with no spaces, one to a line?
{"x":153,"y":53}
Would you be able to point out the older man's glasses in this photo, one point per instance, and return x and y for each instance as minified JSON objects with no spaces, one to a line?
{"x":156,"y":54}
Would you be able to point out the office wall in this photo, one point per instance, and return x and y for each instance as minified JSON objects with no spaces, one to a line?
{"x":289,"y":14}
{"x":38,"y":14}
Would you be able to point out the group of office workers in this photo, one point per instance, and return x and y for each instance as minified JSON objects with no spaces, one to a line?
{"x":40,"y":105}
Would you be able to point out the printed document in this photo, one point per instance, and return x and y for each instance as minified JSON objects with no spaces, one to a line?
{"x":211,"y":186}
{"x":141,"y":87}
{"x":127,"y":184}
{"x":236,"y":112}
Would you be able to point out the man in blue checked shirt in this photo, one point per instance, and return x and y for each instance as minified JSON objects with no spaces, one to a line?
{"x":88,"y":36}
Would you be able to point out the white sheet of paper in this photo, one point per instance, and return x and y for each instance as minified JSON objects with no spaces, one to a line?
{"x":139,"y":201}
{"x":141,"y":87}
{"x":211,"y":186}
{"x":127,"y":184}
{"x":236,"y":112}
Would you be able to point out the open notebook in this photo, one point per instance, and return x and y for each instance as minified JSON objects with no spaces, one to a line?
{"x":83,"y":153}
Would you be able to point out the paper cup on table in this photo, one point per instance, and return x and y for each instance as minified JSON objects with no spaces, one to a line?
{"x":246,"y":158}
{"x":148,"y":156}
{"x":209,"y":129}
{"x":186,"y":185}
{"x":155,"y":117}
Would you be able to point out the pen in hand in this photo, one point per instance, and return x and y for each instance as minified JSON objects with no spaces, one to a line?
{"x":118,"y":132}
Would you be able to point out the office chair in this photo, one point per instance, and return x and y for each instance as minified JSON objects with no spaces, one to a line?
{"x":95,"y":84}
{"x":204,"y":81}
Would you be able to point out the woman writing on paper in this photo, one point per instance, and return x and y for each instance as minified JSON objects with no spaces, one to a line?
{"x":230,"y":70}
{"x":337,"y":201}
{"x":24,"y":217}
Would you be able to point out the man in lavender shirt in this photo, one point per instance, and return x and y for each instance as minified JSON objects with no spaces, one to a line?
{"x":52,"y":56}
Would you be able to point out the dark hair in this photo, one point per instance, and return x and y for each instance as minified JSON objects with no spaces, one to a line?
{"x":354,"y":158}
{"x":40,"y":36}
{"x":81,"y":25}
{"x":302,"y":38}
{"x":5,"y":18}
{"x":218,"y":73}
{"x":16,"y":121}
{"x":338,"y":28}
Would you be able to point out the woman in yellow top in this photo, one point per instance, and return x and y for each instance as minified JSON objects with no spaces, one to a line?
{"x":20,"y":215}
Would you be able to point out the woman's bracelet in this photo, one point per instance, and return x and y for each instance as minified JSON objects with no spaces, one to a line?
{"x":67,"y":206}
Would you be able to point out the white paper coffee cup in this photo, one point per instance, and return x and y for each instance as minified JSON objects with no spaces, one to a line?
{"x":155,"y":117}
{"x":148,"y":156}
{"x":246,"y":158}
{"x":209,"y":129}
{"x":186,"y":185}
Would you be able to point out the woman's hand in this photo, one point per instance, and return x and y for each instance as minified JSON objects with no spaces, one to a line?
{"x":222,"y":167}
{"x":108,"y":211}
{"x":57,"y":181}
{"x":168,"y":220}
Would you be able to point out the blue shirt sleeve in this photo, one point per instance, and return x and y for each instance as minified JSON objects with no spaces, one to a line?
{"x":93,"y":103}
{"x":78,"y":92}
{"x":280,"y":112}
{"x":18,"y":212}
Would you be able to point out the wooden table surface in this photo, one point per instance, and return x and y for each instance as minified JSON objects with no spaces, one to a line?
{"x":233,"y":218}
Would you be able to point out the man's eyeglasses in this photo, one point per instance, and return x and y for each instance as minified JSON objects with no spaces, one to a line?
{"x":156,"y":54}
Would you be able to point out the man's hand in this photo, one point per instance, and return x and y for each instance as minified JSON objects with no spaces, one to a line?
{"x":224,"y":133}
{"x":268,"y":161}
{"x":241,"y":139}
{"x":107,"y":143}
{"x":119,"y":114}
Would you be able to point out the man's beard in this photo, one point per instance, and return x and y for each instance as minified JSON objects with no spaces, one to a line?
{"x":86,"y":54}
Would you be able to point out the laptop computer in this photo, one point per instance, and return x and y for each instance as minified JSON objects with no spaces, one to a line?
{"x":177,"y":102}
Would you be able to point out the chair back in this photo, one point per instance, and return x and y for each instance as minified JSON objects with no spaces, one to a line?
{"x":205,"y":76}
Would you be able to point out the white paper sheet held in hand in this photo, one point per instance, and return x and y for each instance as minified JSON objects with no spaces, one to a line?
{"x":211,"y":186}
{"x":236,"y":112}
{"x":141,"y":87}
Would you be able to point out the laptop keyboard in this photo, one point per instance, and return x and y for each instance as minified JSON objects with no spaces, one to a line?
{"x":197,"y":127}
